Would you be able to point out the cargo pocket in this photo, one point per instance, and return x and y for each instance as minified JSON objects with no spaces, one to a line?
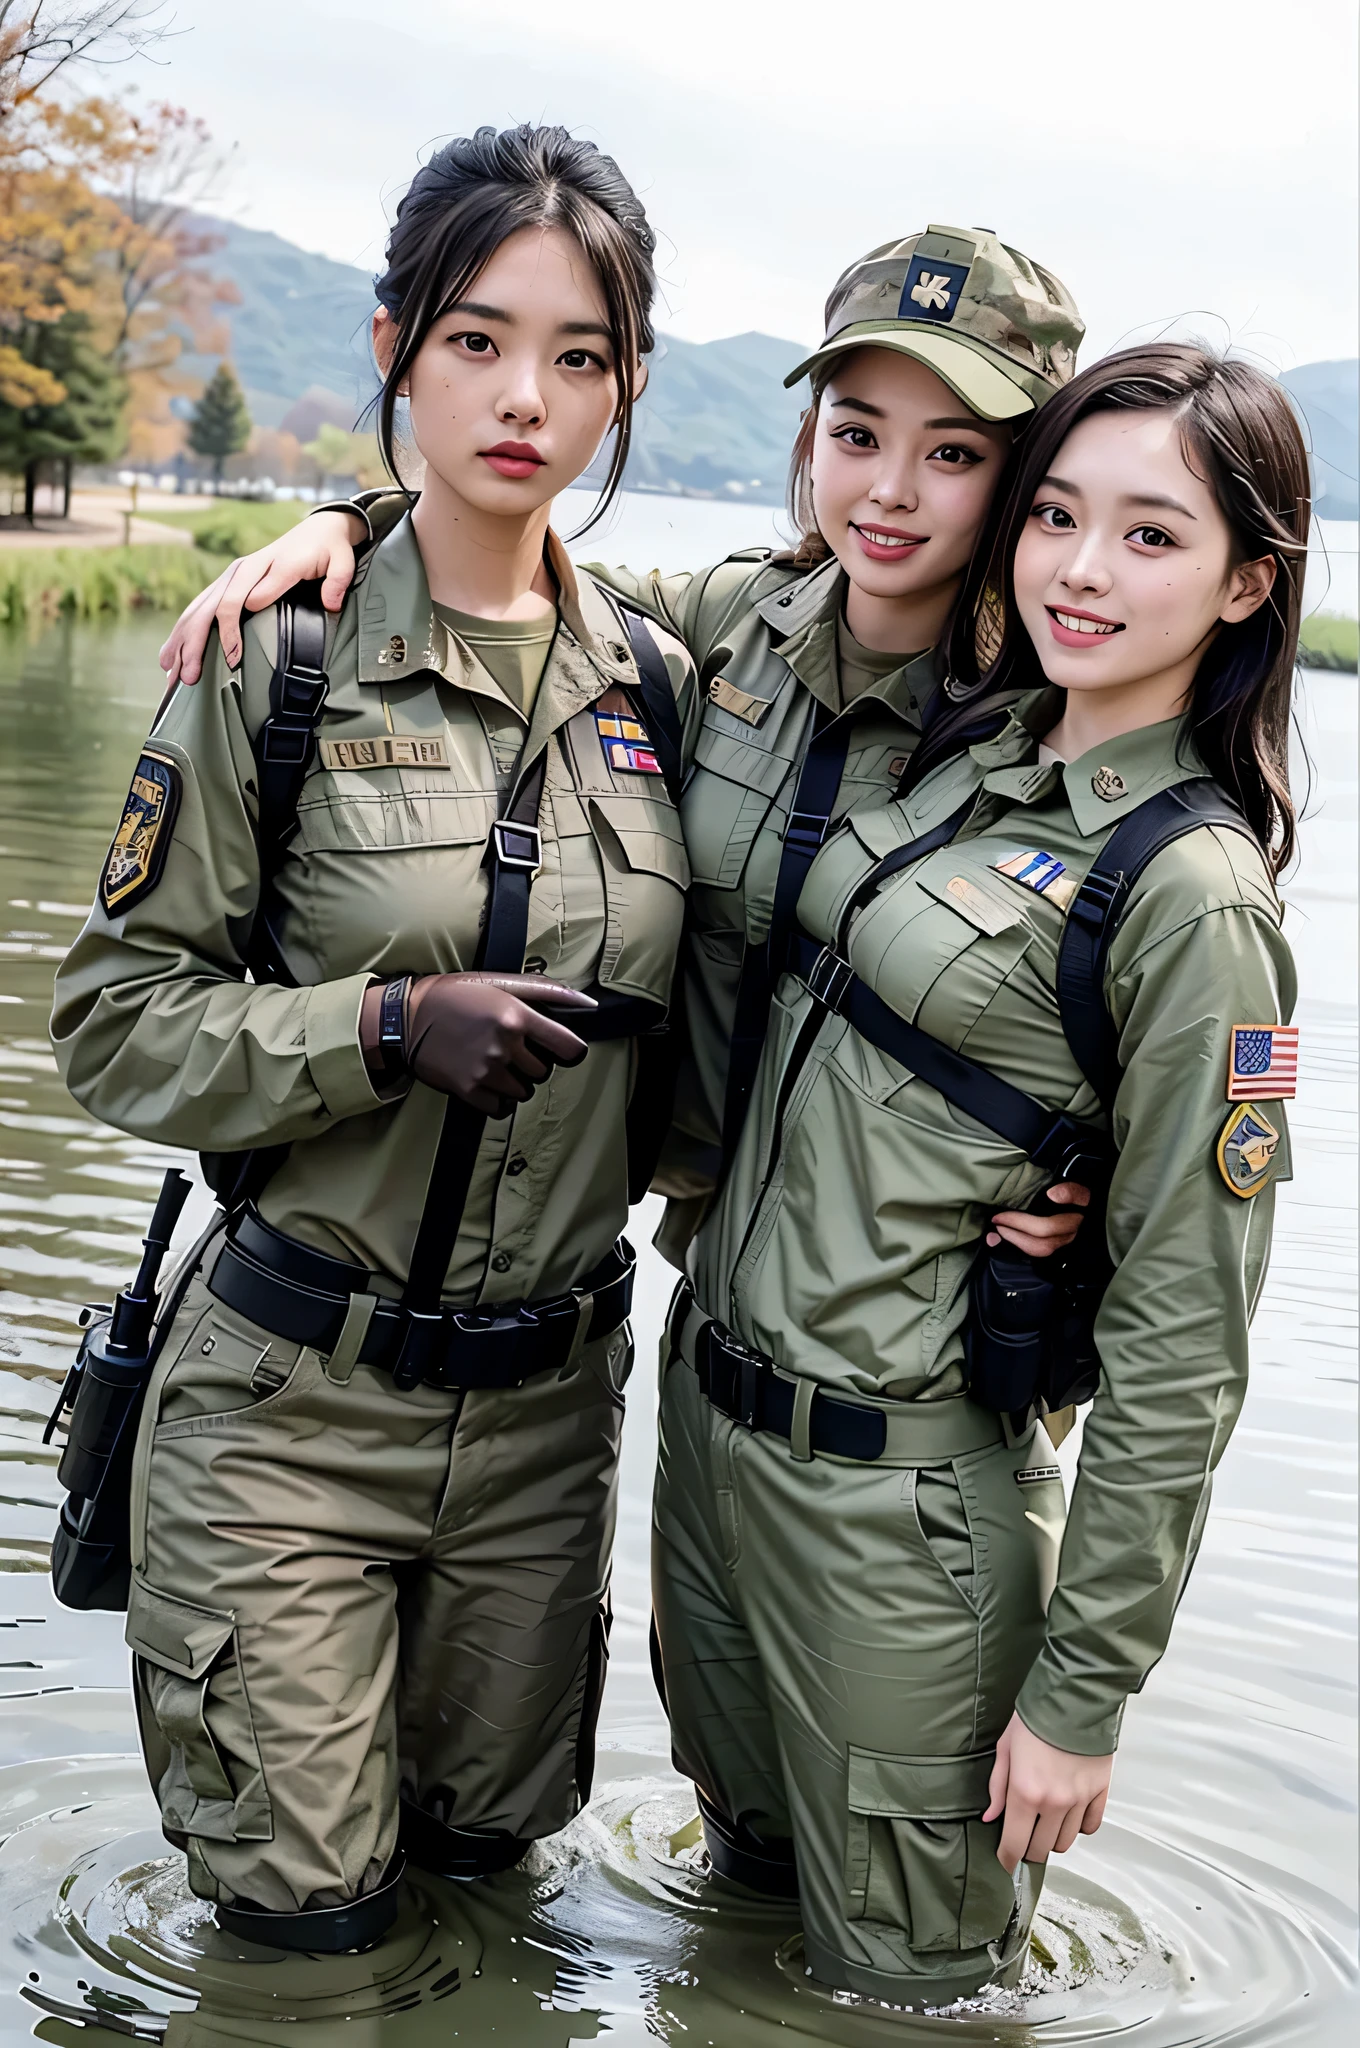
{"x":190,"y":1685}
{"x":918,"y":1855}
{"x":646,"y":874}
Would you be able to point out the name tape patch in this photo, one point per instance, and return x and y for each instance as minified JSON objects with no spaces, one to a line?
{"x":1263,"y":1063}
{"x":388,"y":750}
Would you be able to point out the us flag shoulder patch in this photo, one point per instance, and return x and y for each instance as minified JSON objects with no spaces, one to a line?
{"x":627,"y":744}
{"x":1263,"y":1063}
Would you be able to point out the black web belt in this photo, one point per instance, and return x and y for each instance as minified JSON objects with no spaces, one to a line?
{"x":304,"y":1297}
{"x":743,"y":1385}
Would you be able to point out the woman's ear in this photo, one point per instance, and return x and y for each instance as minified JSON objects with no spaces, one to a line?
{"x":1248,"y":588}
{"x":384,"y":338}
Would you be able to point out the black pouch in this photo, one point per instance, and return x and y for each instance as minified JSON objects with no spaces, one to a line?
{"x":1005,"y":1339}
{"x":104,"y":1391}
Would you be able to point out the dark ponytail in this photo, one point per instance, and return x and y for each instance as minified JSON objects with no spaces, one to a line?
{"x":473,"y":195}
{"x":1241,"y":435}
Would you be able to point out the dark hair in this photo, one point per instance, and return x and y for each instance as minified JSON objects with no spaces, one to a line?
{"x":1240,"y":433}
{"x":473,"y":195}
{"x":811,"y":546}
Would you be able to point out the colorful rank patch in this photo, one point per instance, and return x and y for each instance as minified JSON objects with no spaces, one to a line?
{"x":137,"y":856}
{"x":1246,"y":1151}
{"x":1042,"y":872}
{"x":1263,"y":1063}
{"x":626,"y":743}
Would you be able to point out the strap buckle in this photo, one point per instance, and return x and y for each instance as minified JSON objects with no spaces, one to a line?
{"x":517,"y":846}
{"x":805,"y":831}
{"x":1072,"y":1151}
{"x":1097,"y":900}
{"x":829,"y":978}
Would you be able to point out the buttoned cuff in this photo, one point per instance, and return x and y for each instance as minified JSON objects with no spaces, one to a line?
{"x":1073,"y":1714}
{"x":335,"y":1058}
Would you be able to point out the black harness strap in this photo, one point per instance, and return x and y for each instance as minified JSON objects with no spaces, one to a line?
{"x":1094,"y":913}
{"x":284,"y":747}
{"x":809,"y":819}
{"x":660,"y":716}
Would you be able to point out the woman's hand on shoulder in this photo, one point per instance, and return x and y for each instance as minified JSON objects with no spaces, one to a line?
{"x":321,"y":547}
{"x":1048,"y":1796}
{"x":1041,"y":1236}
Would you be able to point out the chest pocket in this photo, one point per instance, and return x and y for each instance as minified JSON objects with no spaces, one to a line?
{"x":645,"y":871}
{"x":939,"y":943}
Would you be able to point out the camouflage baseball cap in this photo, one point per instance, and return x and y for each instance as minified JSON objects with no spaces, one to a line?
{"x":997,"y":329}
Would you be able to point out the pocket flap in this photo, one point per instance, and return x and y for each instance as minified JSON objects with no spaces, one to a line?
{"x":174,"y":1634}
{"x":648,"y":835}
{"x":985,"y":909}
{"x":920,"y":1787}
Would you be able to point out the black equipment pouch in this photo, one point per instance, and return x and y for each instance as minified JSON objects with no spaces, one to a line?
{"x":104,"y":1392}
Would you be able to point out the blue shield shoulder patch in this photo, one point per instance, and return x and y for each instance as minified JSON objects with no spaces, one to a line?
{"x":1246,"y":1151}
{"x":931,"y":290}
{"x":137,"y":856}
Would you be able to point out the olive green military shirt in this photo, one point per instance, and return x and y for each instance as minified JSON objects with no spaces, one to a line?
{"x":769,"y":643}
{"x":158,"y":1030}
{"x":766,"y":640}
{"x":844,"y":1252}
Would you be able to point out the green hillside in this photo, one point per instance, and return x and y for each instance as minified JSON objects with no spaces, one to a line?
{"x":715,"y":419}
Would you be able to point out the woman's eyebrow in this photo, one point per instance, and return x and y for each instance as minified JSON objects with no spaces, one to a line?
{"x":971,"y":423}
{"x":479,"y":312}
{"x":859,"y":405}
{"x":585,"y":327}
{"x":1163,"y":504}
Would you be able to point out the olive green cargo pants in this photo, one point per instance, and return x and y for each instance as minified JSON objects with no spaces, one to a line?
{"x":841,"y":1646}
{"x":343,"y":1593}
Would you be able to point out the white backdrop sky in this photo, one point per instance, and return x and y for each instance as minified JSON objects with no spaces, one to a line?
{"x":1191,"y":162}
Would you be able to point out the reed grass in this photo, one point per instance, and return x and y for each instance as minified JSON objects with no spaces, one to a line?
{"x":87,"y":583}
{"x":1329,"y":641}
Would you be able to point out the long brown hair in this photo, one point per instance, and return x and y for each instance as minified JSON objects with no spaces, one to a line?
{"x":1239,"y":432}
{"x":475,"y":193}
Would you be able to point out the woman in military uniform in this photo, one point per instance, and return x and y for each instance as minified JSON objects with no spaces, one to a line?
{"x":386,"y":918}
{"x":864,"y":1646}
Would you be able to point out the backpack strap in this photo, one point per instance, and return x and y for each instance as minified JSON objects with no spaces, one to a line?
{"x":284,"y":747}
{"x":661,"y":717}
{"x":814,"y":799}
{"x":1094,"y":913}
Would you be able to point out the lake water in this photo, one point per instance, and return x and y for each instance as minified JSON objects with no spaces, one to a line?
{"x":1216,"y":1905}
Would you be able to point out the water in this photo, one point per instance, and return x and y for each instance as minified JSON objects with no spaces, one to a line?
{"x":1216,"y":1905}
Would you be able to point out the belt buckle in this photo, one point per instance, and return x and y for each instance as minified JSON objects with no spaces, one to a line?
{"x":518,"y":846}
{"x":828,"y":978}
{"x":806,"y":829}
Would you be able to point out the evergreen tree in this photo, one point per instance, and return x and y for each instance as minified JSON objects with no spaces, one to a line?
{"x":219,"y":425}
{"x":84,"y":425}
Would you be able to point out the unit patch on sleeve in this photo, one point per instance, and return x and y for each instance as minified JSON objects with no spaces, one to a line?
{"x":137,"y":856}
{"x":1042,"y":872}
{"x":626,"y":743}
{"x":1263,"y":1063}
{"x":1245,"y":1151}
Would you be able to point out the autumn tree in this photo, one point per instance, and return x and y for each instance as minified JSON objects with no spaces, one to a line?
{"x":85,"y":424}
{"x":220,"y":423}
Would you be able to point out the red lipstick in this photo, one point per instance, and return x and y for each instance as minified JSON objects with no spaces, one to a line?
{"x":513,"y":458}
{"x":1093,"y":634}
{"x":883,"y":543}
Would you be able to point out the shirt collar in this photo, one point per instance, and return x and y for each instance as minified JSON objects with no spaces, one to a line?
{"x":1102,"y":787}
{"x":805,"y":616}
{"x":399,"y":633}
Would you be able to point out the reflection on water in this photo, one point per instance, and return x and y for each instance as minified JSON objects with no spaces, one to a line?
{"x":1215,"y":1905}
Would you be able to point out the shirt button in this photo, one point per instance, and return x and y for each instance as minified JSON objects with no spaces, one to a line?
{"x":517,"y":1165}
{"x":501,"y":1263}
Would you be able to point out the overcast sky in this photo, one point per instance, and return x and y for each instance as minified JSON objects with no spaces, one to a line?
{"x":1191,"y":162}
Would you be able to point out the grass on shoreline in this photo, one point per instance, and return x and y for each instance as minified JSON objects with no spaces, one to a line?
{"x":234,"y":526}
{"x":1329,"y":641}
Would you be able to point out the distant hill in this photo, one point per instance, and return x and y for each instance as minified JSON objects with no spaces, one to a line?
{"x":1328,"y":396}
{"x":715,"y":419}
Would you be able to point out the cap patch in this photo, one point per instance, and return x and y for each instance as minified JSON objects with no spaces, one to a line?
{"x":932,"y":289}
{"x":1246,"y":1151}
{"x":627,"y":744}
{"x":1042,"y":872}
{"x":1263,"y":1063}
{"x":136,"y":858}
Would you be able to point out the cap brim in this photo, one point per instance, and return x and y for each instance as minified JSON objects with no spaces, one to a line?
{"x":977,"y":379}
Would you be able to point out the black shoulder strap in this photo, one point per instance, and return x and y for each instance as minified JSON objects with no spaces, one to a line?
{"x":814,"y":799}
{"x":662,"y":719}
{"x":284,"y":746}
{"x":1094,"y":913}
